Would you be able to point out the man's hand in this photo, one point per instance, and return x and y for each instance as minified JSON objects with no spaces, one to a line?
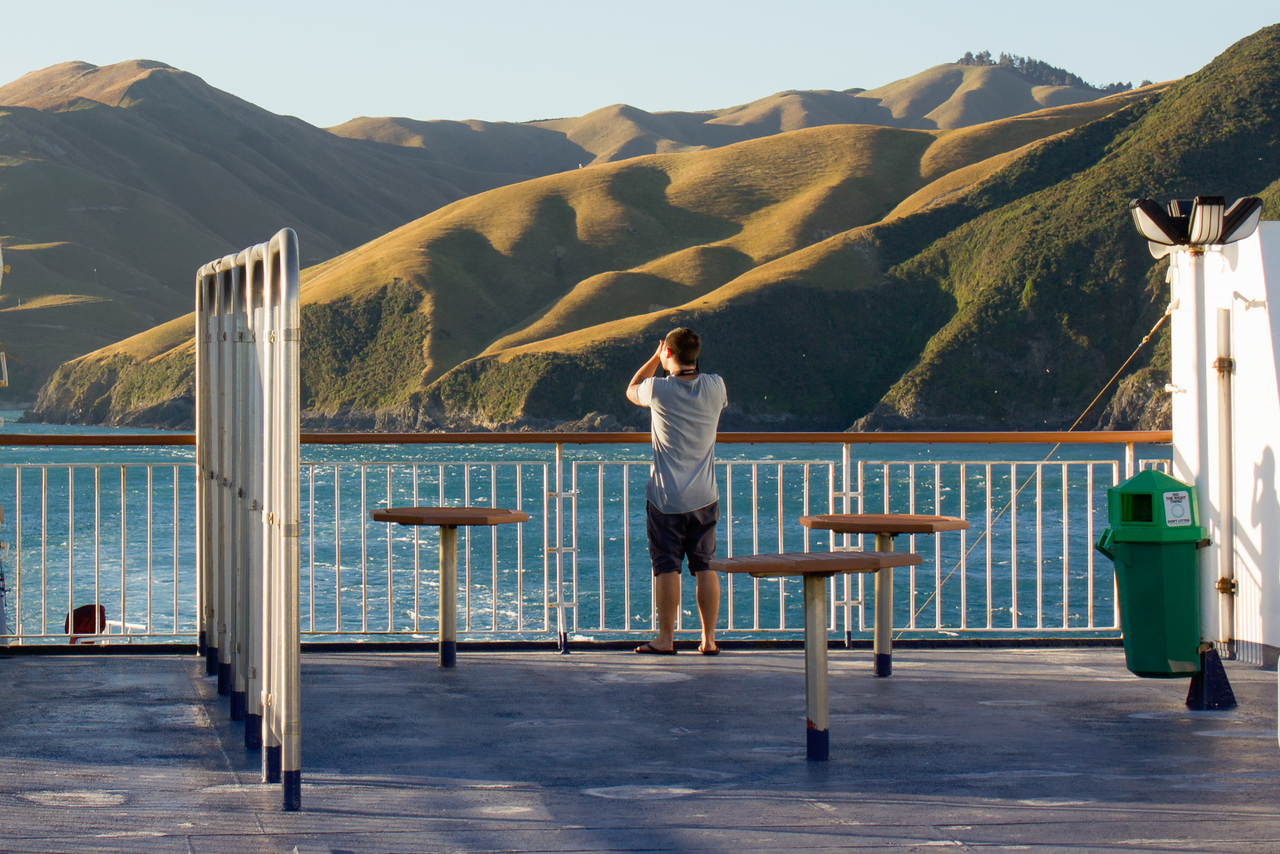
{"x":647,"y":370}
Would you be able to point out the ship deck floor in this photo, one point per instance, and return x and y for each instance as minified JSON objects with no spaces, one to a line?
{"x":992,"y":749}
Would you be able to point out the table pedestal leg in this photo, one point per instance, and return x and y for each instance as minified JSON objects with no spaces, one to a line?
{"x":448,"y":595}
{"x":883,"y":643}
{"x":815,"y":667}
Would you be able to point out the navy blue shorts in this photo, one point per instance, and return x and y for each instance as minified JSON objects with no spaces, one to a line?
{"x":672,"y":536}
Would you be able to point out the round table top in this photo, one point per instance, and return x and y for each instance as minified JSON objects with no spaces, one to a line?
{"x":884,"y":523}
{"x":815,"y":563}
{"x":448,"y":516}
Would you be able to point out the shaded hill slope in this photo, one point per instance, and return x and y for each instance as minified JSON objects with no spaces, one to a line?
{"x":525,"y":265}
{"x":116,"y":183}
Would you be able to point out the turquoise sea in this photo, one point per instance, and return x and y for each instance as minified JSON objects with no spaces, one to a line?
{"x":116,"y":525}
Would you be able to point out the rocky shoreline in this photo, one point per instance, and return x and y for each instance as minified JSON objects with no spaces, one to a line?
{"x":1139,"y":403}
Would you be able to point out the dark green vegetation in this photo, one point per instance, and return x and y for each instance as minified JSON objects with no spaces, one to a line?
{"x":366,"y":354}
{"x":836,"y":361}
{"x":1054,"y":289}
{"x":121,"y":389}
{"x":1037,"y":71}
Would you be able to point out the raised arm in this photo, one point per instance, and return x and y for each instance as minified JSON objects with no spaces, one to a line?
{"x":647,"y":370}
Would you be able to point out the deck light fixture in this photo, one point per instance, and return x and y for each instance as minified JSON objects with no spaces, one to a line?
{"x":1185,"y":228}
{"x":1194,"y":223}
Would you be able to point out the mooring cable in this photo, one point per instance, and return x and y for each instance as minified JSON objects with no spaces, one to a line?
{"x":1146,"y":338}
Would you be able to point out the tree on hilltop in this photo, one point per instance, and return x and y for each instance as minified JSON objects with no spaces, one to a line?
{"x":1037,"y":71}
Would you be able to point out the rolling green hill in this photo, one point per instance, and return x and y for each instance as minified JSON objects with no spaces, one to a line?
{"x":117,"y":182}
{"x":456,"y":318}
{"x":889,"y":277}
{"x":1007,"y":303}
{"x":1054,"y":289}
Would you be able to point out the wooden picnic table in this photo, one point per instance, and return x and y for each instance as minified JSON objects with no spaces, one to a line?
{"x":885,"y":526}
{"x":448,"y":519}
{"x":816,"y":568}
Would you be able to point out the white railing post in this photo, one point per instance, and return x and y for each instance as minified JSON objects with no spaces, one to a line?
{"x":237,"y":406}
{"x":218,"y":402}
{"x":203,"y":473}
{"x":562,"y":632}
{"x":241,"y":498}
{"x":847,"y":579}
{"x":269,"y":663}
{"x":229,"y":551}
{"x":247,"y":445}
{"x":284,"y":262}
{"x":253,"y":514}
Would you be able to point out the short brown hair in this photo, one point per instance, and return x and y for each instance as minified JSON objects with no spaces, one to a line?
{"x":685,"y":344}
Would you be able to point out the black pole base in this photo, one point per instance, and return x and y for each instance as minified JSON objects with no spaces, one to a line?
{"x":252,"y":732}
{"x":239,"y":704}
{"x":1210,"y":690}
{"x":224,"y":678}
{"x":448,"y":653}
{"x":200,"y":644}
{"x":883,"y":664}
{"x":271,"y":764}
{"x":210,"y":661}
{"x":564,"y":643}
{"x":818,"y":745}
{"x":848,"y":639}
{"x":291,"y":791}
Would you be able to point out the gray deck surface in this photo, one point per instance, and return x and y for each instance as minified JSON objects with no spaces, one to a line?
{"x":992,"y":750}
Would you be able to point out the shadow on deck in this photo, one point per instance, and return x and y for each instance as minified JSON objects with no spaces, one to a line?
{"x":1060,"y":750}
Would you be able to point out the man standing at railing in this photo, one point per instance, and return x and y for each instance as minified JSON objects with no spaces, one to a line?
{"x":683,"y":501}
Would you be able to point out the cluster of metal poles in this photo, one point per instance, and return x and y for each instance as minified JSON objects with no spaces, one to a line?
{"x":247,"y":502}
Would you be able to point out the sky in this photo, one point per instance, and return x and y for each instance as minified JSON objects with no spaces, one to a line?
{"x":327,"y":61}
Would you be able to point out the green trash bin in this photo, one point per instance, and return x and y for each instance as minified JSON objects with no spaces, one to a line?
{"x":1153,"y":540}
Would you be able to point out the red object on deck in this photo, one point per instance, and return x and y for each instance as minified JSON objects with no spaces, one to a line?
{"x":87,"y":620}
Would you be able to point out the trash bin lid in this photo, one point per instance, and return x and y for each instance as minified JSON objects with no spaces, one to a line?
{"x":1152,"y":507}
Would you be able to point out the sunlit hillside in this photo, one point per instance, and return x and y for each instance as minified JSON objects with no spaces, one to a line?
{"x":1007,"y":302}
{"x":116,"y":183}
{"x":548,"y":266}
{"x":942,"y":98}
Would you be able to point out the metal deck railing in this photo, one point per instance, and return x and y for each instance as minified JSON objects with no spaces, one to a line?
{"x":123,"y":534}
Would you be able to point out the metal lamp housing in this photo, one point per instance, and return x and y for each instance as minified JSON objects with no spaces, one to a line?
{"x":1205,"y":227}
{"x":1194,"y":223}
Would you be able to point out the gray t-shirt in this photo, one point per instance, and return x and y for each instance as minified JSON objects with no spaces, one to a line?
{"x":685,"y":416}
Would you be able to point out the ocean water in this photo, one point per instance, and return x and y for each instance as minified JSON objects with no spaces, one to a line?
{"x":116,"y":526}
